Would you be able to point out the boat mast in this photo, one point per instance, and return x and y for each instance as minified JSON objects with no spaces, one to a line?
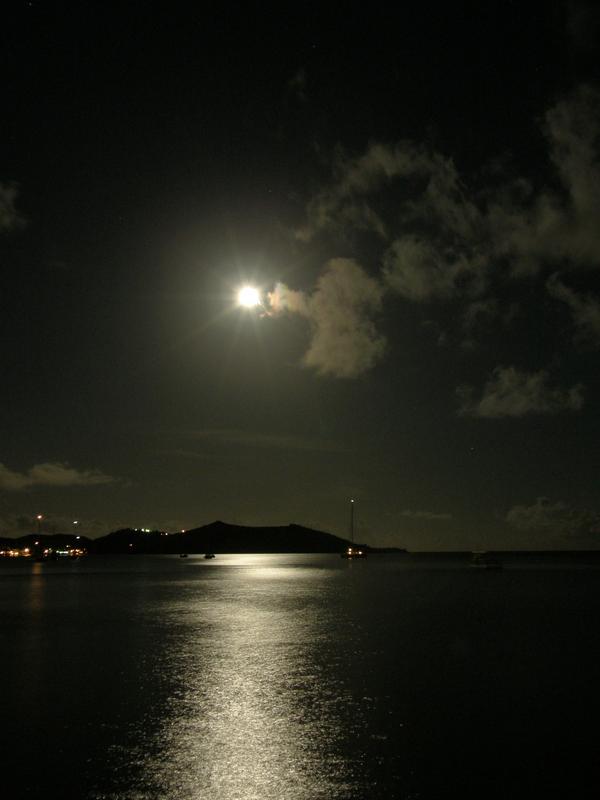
{"x":352,"y":521}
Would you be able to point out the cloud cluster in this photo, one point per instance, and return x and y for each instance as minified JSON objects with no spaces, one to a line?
{"x":512,"y":393}
{"x":415,"y":269}
{"x":444,"y":247}
{"x":344,"y":340}
{"x":342,"y":206}
{"x":9,"y":216}
{"x":556,"y":519}
{"x":556,"y":226}
{"x":50,"y":474}
{"x":441,"y":241}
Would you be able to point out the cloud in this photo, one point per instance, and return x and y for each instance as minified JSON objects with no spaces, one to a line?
{"x":342,"y":206}
{"x":50,"y":474}
{"x":428,"y":515}
{"x":439,"y":240}
{"x":443,"y":239}
{"x":556,"y":519}
{"x":345,"y":342}
{"x":443,"y":250}
{"x":585,"y":309}
{"x":528,"y":229}
{"x":10,"y":218}
{"x":448,"y":254}
{"x":558,"y":226}
{"x":419,"y":270}
{"x":478,"y":312}
{"x":13,"y":524}
{"x":297,"y":85}
{"x":427,"y":188}
{"x":512,"y":393}
{"x":415,"y":269}
{"x":282,"y":298}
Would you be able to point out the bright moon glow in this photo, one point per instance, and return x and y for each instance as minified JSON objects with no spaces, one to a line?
{"x":249,"y":297}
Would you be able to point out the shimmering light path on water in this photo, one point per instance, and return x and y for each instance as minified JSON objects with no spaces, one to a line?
{"x":263,"y":677}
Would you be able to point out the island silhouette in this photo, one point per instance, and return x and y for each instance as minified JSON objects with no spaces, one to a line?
{"x":216,"y":537}
{"x":222,"y":537}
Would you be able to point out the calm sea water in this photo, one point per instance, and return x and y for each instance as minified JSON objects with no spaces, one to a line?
{"x":262,"y":677}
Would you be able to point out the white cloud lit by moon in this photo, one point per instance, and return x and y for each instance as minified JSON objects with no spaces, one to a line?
{"x":344,"y":339}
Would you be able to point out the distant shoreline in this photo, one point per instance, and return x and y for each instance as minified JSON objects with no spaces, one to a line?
{"x":221,"y":537}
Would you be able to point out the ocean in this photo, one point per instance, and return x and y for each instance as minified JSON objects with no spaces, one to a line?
{"x":300,"y":677}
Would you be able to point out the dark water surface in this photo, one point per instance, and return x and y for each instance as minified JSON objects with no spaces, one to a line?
{"x":263,"y":677}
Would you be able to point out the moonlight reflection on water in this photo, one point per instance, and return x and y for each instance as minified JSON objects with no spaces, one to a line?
{"x":256,"y":715}
{"x":263,"y":677}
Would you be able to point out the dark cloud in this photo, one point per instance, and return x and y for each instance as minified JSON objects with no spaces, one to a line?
{"x":342,"y":206}
{"x":446,"y":242}
{"x":479,"y":311}
{"x":444,"y":247}
{"x":513,"y":393}
{"x":10,"y":219}
{"x":298,"y":85}
{"x":415,"y":269}
{"x":557,"y":226}
{"x":444,"y":239}
{"x":553,"y":519}
{"x":50,"y":474}
{"x":585,"y":309}
{"x":13,"y":525}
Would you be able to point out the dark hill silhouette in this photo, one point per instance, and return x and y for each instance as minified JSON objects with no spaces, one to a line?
{"x":221,"y":537}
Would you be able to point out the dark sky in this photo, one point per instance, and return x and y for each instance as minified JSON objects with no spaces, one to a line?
{"x":415,"y":193}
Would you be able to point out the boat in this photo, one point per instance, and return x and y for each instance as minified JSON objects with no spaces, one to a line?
{"x":353,"y":551}
{"x":481,"y":560}
{"x":183,"y":555}
{"x":209,"y":555}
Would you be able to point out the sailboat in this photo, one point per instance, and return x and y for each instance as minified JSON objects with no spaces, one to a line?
{"x":353,"y":551}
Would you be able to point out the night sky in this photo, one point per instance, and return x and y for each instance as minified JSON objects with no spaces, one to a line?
{"x":416,"y":195}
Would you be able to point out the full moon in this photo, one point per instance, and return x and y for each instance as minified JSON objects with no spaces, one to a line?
{"x":249,"y":297}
